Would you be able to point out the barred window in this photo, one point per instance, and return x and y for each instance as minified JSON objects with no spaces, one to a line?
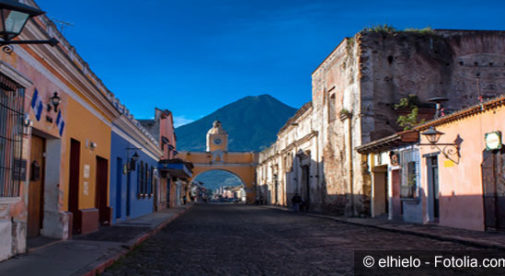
{"x":145,"y":176}
{"x":11,"y":135}
{"x":145,"y":192}
{"x":408,"y":188}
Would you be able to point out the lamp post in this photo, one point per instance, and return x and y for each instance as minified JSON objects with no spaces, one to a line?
{"x":13,"y":17}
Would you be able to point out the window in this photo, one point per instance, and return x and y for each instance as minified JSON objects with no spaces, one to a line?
{"x":11,"y":136}
{"x":145,"y":177}
{"x":332,"y":113}
{"x":408,"y":188}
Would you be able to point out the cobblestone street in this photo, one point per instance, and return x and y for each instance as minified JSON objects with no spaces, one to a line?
{"x":250,"y":240}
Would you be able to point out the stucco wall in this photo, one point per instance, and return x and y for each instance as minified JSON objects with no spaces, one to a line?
{"x":461,"y":201}
{"x":371,"y":72}
{"x":138,"y":205}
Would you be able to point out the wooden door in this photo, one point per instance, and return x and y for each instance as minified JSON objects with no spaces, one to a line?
{"x":101,"y":191}
{"x":36,"y":188}
{"x":306,"y":183}
{"x":119,"y":184}
{"x":73,"y":190}
{"x":493,"y":181}
{"x":396,"y":202}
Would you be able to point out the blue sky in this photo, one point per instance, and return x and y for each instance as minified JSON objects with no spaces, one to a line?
{"x":192,"y":57}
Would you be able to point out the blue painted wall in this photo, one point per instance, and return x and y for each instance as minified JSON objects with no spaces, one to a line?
{"x":119,"y":197}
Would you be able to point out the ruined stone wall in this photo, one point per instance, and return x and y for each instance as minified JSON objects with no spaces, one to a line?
{"x":458,"y":65}
{"x":335,"y":94}
{"x":462,"y":66}
{"x":365,"y":76}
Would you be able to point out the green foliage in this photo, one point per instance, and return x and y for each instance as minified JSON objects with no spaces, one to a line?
{"x":345,"y":112}
{"x":385,"y":28}
{"x":426,"y":30}
{"x":409,"y":120}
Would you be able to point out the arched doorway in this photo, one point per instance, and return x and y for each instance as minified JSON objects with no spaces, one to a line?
{"x":219,"y":185}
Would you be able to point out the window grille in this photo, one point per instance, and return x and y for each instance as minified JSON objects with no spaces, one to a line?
{"x":11,"y":136}
{"x":410,"y":171}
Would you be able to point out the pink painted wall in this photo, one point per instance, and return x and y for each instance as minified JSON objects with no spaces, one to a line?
{"x":167,"y":130}
{"x":460,"y":183}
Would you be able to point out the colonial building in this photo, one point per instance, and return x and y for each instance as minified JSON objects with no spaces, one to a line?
{"x":134,"y":176}
{"x":57,"y":120}
{"x":288,"y":167}
{"x":355,"y":90}
{"x":448,"y":171}
{"x":174,"y":172}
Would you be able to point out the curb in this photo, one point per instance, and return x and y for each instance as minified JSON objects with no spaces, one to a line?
{"x":131,"y":245}
{"x":466,"y":241}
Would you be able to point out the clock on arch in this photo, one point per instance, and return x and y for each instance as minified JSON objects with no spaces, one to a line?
{"x":217,"y":141}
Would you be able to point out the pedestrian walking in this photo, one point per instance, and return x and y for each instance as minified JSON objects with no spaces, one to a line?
{"x":296,"y":200}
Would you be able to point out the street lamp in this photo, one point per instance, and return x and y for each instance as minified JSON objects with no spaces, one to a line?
{"x":448,"y":149}
{"x":13,"y":17}
{"x":432,"y":135}
{"x":131,"y":161}
{"x":55,"y":100}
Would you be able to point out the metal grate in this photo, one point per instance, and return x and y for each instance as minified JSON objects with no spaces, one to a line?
{"x":11,"y":136}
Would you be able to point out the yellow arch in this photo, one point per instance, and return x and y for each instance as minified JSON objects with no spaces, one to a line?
{"x":195,"y":176}
{"x":242,"y":164}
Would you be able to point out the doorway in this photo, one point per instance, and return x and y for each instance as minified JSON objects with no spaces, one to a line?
{"x":119,"y":184}
{"x":73,"y":189}
{"x":276,"y":189}
{"x":380,"y":191}
{"x":128,"y":188}
{"x":306,"y":187}
{"x":36,"y":188}
{"x":101,"y":190}
{"x":433,"y":188}
{"x":493,"y":181}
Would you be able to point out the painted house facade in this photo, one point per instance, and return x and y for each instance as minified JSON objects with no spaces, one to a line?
{"x":162,"y":128}
{"x":64,"y":129}
{"x":288,"y":167}
{"x":64,"y":163}
{"x":455,"y":181}
{"x":134,"y":170}
{"x":355,"y":90}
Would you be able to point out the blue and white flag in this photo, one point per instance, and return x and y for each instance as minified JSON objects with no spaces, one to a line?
{"x":37,"y":104}
{"x":61,"y":126}
{"x":60,"y":123}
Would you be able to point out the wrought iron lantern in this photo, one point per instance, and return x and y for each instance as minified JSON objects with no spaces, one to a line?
{"x":447,"y":149}
{"x":13,"y":17}
{"x":55,"y":101}
{"x":432,"y":135}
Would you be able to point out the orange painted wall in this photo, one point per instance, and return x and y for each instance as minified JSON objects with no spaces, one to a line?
{"x":461,"y":201}
{"x":82,"y":125}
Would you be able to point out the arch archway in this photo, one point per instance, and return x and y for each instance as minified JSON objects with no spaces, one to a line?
{"x":241,"y":164}
{"x":222,"y":184}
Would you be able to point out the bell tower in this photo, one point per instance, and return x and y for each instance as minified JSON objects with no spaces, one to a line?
{"x":217,"y":138}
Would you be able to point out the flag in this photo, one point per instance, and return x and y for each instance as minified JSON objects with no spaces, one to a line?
{"x":37,"y":104}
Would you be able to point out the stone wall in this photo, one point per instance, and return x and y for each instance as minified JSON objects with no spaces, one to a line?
{"x":358,"y":84}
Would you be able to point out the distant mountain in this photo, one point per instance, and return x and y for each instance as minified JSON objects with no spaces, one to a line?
{"x":252,"y":124}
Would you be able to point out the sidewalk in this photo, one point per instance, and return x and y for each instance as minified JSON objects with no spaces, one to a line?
{"x":92,"y":253}
{"x":494,"y":240}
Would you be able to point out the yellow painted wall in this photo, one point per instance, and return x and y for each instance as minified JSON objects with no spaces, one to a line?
{"x":242,"y":164}
{"x":83,"y":125}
